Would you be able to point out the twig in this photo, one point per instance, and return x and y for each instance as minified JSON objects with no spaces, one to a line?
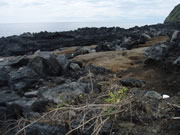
{"x":92,"y":87}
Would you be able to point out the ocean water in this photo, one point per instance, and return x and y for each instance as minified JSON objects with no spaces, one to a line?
{"x":10,"y":29}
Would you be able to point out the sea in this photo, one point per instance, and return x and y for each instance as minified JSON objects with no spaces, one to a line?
{"x":9,"y":29}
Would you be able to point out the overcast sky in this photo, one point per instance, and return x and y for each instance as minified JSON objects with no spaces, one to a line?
{"x":125,"y":11}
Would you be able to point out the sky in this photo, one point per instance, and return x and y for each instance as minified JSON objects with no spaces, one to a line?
{"x":124,"y":11}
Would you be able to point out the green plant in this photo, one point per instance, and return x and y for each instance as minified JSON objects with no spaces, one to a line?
{"x":116,"y":96}
{"x":59,"y":105}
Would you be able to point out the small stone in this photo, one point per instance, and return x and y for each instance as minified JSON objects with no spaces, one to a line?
{"x":74,"y":66}
{"x":153,"y":95}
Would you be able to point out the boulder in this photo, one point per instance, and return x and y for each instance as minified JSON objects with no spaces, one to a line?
{"x":23,"y":79}
{"x":73,"y":88}
{"x":133,"y":82}
{"x":143,"y":38}
{"x":175,"y":36}
{"x":153,"y":95}
{"x":157,"y":52}
{"x":74,"y":66}
{"x":46,"y":64}
{"x":63,"y":61}
{"x":17,"y":62}
{"x":104,"y":47}
{"x":25,"y":104}
{"x":13,"y":105}
{"x":39,"y":105}
{"x":81,"y":50}
{"x":8,"y":96}
{"x":129,"y":43}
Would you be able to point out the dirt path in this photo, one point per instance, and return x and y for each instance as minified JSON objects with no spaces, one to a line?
{"x":130,"y":64}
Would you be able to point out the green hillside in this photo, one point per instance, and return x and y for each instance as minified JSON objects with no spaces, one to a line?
{"x":174,"y":16}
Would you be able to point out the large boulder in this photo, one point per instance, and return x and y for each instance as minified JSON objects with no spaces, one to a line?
{"x":14,"y":106}
{"x":23,"y":79}
{"x":46,"y":64}
{"x":73,"y":88}
{"x":175,"y":36}
{"x":157,"y":52}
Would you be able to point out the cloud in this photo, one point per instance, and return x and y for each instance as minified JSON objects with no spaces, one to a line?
{"x":153,"y":11}
{"x":3,"y":3}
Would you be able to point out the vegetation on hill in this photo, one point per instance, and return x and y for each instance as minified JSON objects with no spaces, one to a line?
{"x":174,"y":16}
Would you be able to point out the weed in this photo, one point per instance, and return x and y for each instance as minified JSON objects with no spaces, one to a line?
{"x":116,"y":96}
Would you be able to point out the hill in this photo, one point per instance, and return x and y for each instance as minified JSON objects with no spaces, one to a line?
{"x":174,"y":16}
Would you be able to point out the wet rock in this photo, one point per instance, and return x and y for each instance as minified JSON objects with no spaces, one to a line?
{"x":64,"y":62}
{"x":153,"y":94}
{"x":4,"y":77}
{"x":74,"y":66}
{"x":52,"y":94}
{"x":133,"y":82}
{"x":46,"y":64}
{"x":23,"y":79}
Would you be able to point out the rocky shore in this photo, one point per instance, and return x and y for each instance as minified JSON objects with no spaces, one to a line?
{"x":91,"y":81}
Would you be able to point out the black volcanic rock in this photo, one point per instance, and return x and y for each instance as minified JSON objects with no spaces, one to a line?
{"x":46,"y":41}
{"x":23,"y":79}
{"x":46,"y":64}
{"x":167,"y":53}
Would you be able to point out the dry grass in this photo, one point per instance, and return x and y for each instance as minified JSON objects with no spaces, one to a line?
{"x":93,"y":117}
